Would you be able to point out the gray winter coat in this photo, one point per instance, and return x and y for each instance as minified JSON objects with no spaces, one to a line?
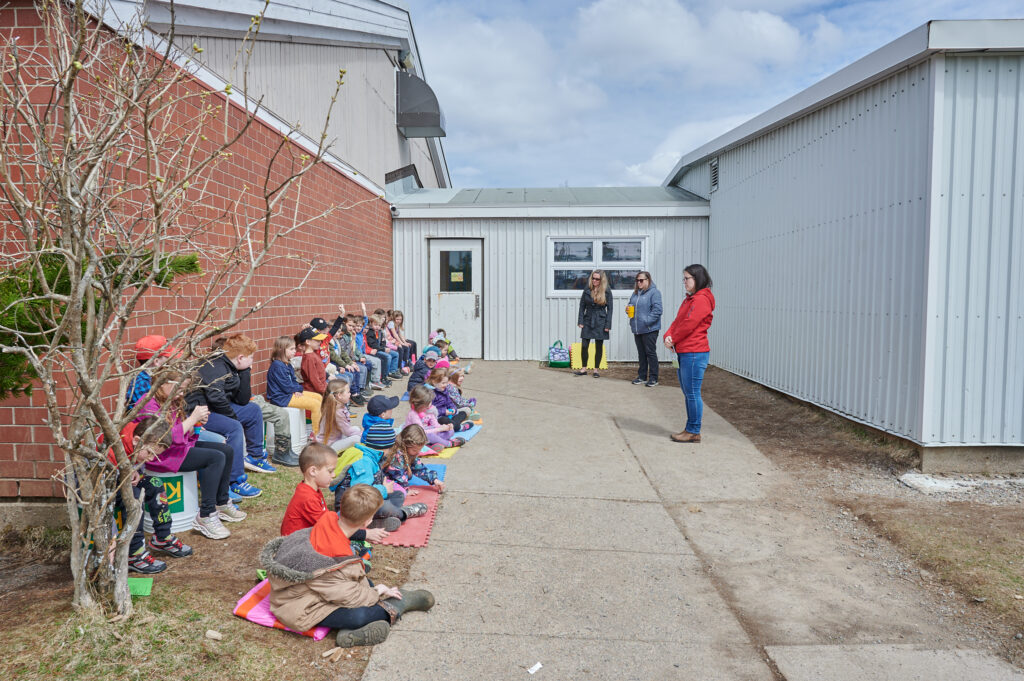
{"x":646,"y":310}
{"x":595,"y":318}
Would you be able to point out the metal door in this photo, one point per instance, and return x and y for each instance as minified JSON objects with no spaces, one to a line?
{"x":456,"y":289}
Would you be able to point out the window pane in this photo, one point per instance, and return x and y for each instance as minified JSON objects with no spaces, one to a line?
{"x":620,"y":280}
{"x":571,"y":280}
{"x":574,"y":251}
{"x":621,"y":251}
{"x":456,"y":271}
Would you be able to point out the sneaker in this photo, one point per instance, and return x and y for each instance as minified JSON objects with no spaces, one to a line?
{"x":145,"y":563}
{"x":637,"y":381}
{"x":235,"y":498}
{"x":466,"y":425}
{"x":261,"y":465}
{"x":358,"y":400}
{"x":230,"y":513}
{"x":377,"y":385}
{"x":211,"y":526}
{"x":387,"y":382}
{"x":457,"y":442}
{"x":172,"y":546}
{"x":396,"y":375}
{"x":390,"y":524}
{"x":651,"y":384}
{"x":244,"y":489}
{"x":415,"y":510}
{"x":406,"y":370}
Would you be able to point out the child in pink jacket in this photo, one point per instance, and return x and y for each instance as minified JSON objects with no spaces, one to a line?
{"x":421,"y":413}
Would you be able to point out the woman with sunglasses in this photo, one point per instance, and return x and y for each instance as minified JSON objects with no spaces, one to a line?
{"x":688,"y":336}
{"x":644,"y":312}
{"x":595,"y":318}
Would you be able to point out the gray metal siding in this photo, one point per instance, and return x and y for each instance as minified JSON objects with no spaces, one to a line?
{"x":976,"y":315}
{"x":818,"y":240}
{"x":697,"y":180}
{"x":520,"y":321}
{"x":297,"y":80}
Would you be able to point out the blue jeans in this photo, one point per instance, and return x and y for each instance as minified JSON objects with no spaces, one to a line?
{"x":210,"y":436}
{"x":691,"y":374}
{"x":393,"y":364}
{"x":364,"y":375}
{"x":244,"y":436}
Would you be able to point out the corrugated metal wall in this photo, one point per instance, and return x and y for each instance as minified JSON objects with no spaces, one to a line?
{"x":520,"y":321}
{"x":697,"y":180}
{"x":818,"y":242}
{"x":975,"y":392}
{"x":297,"y":81}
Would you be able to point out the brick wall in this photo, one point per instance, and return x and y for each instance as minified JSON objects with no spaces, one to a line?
{"x":353,"y":250}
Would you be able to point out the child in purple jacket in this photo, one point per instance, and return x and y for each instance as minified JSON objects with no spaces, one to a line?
{"x":447,"y":410}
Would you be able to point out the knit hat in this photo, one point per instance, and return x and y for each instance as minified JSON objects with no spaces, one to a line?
{"x":380,"y":435}
{"x":148,"y":346}
{"x":379,"y":404}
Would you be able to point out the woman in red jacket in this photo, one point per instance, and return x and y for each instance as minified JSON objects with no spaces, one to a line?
{"x":688,"y":336}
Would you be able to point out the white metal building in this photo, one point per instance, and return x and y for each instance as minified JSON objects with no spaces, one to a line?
{"x":866,"y":240}
{"x":502,"y":270}
{"x":377,"y":124}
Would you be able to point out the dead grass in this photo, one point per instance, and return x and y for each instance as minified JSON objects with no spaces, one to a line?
{"x":166,"y":637}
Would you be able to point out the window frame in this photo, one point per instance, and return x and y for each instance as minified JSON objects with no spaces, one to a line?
{"x":597,"y":263}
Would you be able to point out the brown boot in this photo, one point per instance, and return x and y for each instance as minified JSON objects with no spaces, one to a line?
{"x":685,"y":436}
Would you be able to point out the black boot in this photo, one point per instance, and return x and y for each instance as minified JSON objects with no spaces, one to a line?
{"x":369,"y":635}
{"x":283,"y":453}
{"x":412,"y":599}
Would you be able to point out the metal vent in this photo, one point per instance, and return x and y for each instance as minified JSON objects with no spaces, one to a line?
{"x":419,"y":114}
{"x":713,"y":164}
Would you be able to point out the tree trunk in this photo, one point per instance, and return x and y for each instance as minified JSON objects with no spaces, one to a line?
{"x":99,"y":560}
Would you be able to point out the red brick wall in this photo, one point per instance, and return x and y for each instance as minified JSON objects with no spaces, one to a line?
{"x":353,"y":250}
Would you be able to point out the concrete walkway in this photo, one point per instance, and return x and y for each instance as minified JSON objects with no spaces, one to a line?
{"x":575,"y":534}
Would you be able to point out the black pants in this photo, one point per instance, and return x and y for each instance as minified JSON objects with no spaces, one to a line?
{"x":457,"y":420}
{"x":212,"y":463}
{"x":403,"y":355}
{"x":159,"y":512}
{"x":598,"y":348}
{"x":354,"y":618}
{"x":647,"y":351}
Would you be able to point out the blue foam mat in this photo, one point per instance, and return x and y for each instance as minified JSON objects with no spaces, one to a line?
{"x":438,"y":468}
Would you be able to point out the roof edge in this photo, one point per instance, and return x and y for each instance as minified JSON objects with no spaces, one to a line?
{"x":910,"y":48}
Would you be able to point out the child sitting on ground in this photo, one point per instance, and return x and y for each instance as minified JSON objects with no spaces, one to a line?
{"x":447,"y":410}
{"x":423,"y":366}
{"x":407,"y":464}
{"x":337,"y":431}
{"x":440,"y":334}
{"x":143,"y":441}
{"x":455,"y":380}
{"x":377,"y":450}
{"x":283,"y":389}
{"x":421,"y":413}
{"x":316,"y":580}
{"x":444,"y":359}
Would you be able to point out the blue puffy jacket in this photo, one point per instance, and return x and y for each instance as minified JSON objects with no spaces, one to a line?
{"x":646,"y":310}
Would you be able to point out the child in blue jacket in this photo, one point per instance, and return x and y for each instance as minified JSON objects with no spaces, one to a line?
{"x":378,"y":453}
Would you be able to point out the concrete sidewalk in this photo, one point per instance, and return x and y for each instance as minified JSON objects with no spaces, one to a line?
{"x":575,"y":534}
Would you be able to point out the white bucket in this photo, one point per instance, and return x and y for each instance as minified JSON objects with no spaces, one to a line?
{"x":297,"y":423}
{"x":182,"y":498}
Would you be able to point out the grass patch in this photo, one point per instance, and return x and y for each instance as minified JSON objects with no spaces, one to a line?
{"x":166,"y":636}
{"x":37,"y":543}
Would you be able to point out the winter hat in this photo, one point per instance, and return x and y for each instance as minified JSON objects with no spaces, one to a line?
{"x":148,"y":346}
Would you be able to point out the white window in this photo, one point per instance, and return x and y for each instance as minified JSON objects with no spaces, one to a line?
{"x":572,"y":259}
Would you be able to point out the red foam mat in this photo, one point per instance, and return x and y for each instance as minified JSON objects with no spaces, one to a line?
{"x":415,"y":532}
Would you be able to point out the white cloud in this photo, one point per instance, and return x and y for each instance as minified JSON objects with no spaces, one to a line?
{"x":680,"y":140}
{"x":500,"y":82}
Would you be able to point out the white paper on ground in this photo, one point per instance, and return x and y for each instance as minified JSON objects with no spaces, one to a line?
{"x":535,"y":668}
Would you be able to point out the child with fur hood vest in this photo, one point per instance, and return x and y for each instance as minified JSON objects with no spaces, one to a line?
{"x":316,"y":580}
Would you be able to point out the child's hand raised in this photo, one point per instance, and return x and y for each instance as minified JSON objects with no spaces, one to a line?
{"x":377,"y":534}
{"x":341,"y":310}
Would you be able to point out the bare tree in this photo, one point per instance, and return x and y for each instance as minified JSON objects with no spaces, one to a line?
{"x":107,"y":149}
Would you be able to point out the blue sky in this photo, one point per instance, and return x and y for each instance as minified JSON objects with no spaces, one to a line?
{"x":613,"y":92}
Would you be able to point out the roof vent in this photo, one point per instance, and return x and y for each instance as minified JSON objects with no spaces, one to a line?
{"x":713,"y":165}
{"x":419,"y":114}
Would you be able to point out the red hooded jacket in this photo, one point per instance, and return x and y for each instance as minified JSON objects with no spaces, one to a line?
{"x":689,"y":330}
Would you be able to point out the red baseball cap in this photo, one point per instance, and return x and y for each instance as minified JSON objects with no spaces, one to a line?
{"x":148,"y":346}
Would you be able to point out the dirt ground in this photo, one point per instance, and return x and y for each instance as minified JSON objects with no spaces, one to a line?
{"x":194,"y":594}
{"x":966,"y":549}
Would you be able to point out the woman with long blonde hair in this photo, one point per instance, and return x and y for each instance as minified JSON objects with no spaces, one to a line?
{"x":595,"y":318}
